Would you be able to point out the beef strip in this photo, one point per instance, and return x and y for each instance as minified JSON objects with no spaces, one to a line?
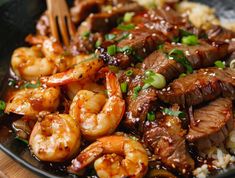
{"x":218,"y":33}
{"x":199,"y":56}
{"x":105,"y":21}
{"x":204,"y":85}
{"x":81,"y":10}
{"x":167,"y":140}
{"x":211,"y":124}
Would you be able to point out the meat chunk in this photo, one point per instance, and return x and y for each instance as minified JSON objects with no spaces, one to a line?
{"x":105,"y":21}
{"x":167,"y":140}
{"x":202,"y":55}
{"x":204,"y":85}
{"x":83,"y":9}
{"x":218,"y":33}
{"x":211,"y":124}
{"x":159,"y":63}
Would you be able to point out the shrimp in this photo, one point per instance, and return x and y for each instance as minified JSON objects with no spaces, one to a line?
{"x":44,"y":59}
{"x":83,"y":70}
{"x":30,"y":101}
{"x":55,"y":138}
{"x":74,"y":87}
{"x":114,"y":156}
{"x":96,"y":115}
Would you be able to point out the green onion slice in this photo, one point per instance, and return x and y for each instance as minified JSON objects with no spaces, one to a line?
{"x":112,"y":50}
{"x":220,"y":64}
{"x":129,"y":73}
{"x":124,"y":87}
{"x":170,"y":112}
{"x":151,"y":116}
{"x":190,"y":40}
{"x":179,"y":56}
{"x":136,"y":91}
{"x":128,"y":16}
{"x":126,"y":27}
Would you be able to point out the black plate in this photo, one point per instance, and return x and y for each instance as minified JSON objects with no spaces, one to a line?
{"x":17,"y":19}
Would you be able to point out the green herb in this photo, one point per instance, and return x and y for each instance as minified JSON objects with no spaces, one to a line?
{"x":126,"y":27}
{"x":124,"y":87}
{"x":110,"y":37}
{"x":129,"y":73}
{"x":22,"y":140}
{"x":128,"y":16}
{"x":179,"y":56}
{"x":2,"y":105}
{"x":12,"y":82}
{"x":182,"y":75}
{"x":112,"y":50}
{"x":31,"y":85}
{"x":86,"y":34}
{"x":151,"y":116}
{"x":92,"y":57}
{"x":190,"y":40}
{"x":98,"y":43}
{"x":170,"y":112}
{"x":160,"y":47}
{"x":156,"y":80}
{"x":136,"y":91}
{"x":114,"y":69}
{"x":126,"y":50}
{"x":219,"y":64}
{"x":124,"y":36}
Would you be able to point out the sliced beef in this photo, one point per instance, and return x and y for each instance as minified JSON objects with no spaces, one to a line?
{"x":105,"y":21}
{"x":204,"y":85}
{"x":167,"y":140}
{"x":83,"y":9}
{"x":159,"y":63}
{"x":211,"y":124}
{"x":218,"y":33}
{"x":203,"y":54}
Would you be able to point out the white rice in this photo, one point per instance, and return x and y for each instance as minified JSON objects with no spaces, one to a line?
{"x":202,"y":16}
{"x":201,"y":172}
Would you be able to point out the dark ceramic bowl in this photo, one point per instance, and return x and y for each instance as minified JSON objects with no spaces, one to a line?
{"x":17,"y":19}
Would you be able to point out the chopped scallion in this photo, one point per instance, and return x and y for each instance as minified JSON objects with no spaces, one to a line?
{"x":182,"y":75}
{"x":112,"y":50}
{"x":129,"y":73}
{"x":151,"y":116}
{"x":156,"y":80}
{"x":31,"y":85}
{"x":126,"y":27}
{"x":220,"y":64}
{"x":124,"y":87}
{"x":22,"y":140}
{"x":98,"y":43}
{"x":86,"y":34}
{"x":110,"y":37}
{"x":170,"y":112}
{"x":179,"y":56}
{"x":126,"y":50}
{"x":128,"y":16}
{"x":2,"y":105}
{"x":136,"y":91}
{"x":190,"y":40}
{"x":11,"y":82}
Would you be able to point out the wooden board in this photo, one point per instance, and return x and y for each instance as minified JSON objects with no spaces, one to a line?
{"x":11,"y":169}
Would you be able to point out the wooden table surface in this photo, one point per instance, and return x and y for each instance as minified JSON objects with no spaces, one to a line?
{"x":11,"y":169}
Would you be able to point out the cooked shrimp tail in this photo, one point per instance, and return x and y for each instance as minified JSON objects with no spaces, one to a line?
{"x":82,"y":70}
{"x":113,"y":156}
